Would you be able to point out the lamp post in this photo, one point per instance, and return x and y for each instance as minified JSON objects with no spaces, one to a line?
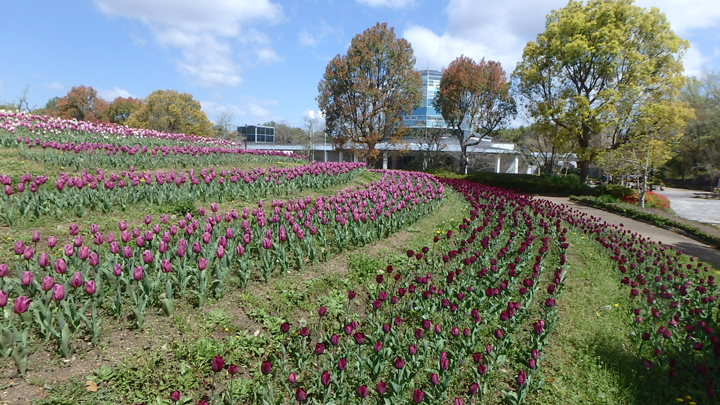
{"x":325,"y":145}
{"x":246,"y":135}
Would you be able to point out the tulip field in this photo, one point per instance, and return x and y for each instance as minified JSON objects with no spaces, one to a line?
{"x":117,"y":229}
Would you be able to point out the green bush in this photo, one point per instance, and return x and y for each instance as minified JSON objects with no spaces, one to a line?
{"x":616,"y":191}
{"x":527,"y":183}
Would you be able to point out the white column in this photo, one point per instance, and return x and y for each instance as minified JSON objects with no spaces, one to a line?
{"x":355,"y":158}
{"x":497,"y":164}
{"x":340,"y":156}
{"x":516,"y":165}
{"x":385,"y":160}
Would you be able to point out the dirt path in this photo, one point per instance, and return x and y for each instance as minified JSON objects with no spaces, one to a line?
{"x":687,"y":245}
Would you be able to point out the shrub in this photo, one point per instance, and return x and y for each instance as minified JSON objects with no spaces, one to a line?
{"x":658,"y":201}
{"x":616,"y":191}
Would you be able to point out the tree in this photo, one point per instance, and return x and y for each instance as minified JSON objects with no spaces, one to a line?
{"x":364,"y":93}
{"x":474,"y":100}
{"x":594,"y":69}
{"x":120,"y":109}
{"x":21,"y":104}
{"x":541,"y":145}
{"x":284,"y":133}
{"x":173,"y":112}
{"x":223,"y":127}
{"x":700,"y":149}
{"x":80,"y":103}
{"x":655,"y":135}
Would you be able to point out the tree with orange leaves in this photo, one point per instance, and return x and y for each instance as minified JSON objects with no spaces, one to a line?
{"x":474,"y":101}
{"x":81,"y":103}
{"x":364,"y":93}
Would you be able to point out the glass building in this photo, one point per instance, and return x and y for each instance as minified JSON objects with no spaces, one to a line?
{"x":426,"y":116}
{"x":257,"y":133}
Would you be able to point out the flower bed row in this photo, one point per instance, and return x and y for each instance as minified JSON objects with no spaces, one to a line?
{"x":31,"y":196}
{"x":61,"y":292}
{"x":30,"y":124}
{"x":110,"y":155}
{"x":441,"y":327}
{"x":673,"y":307}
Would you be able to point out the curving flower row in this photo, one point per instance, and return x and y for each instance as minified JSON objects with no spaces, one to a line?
{"x":39,"y":197}
{"x":61,"y":292}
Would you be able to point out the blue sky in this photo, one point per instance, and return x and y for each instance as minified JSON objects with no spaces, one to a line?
{"x":262,"y":60}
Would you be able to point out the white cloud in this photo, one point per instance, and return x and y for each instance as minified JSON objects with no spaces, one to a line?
{"x":499,"y":30}
{"x":387,"y":3}
{"x":116,"y":92}
{"x":306,"y":38}
{"x":694,"y":61}
{"x":55,"y":86}
{"x":687,"y":15}
{"x":249,"y":110}
{"x":206,"y":33}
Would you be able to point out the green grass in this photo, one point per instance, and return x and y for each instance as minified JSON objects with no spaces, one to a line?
{"x":589,"y":359}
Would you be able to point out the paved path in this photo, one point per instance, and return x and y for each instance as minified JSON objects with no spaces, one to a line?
{"x":685,"y":205}
{"x":687,"y":245}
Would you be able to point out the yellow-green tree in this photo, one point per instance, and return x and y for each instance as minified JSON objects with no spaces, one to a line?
{"x":173,"y":112}
{"x":655,"y":136}
{"x":364,"y":93}
{"x":596,"y":68}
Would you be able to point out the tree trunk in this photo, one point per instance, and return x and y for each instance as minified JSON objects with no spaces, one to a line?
{"x":584,"y":166}
{"x":463,"y":159}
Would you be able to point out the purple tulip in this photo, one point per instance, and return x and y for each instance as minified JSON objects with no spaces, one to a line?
{"x":473,"y":389}
{"x":300,"y":395}
{"x":434,"y":379}
{"x":359,"y":337}
{"x":117,"y":270}
{"x":202,"y":264}
{"x":147,"y":257}
{"x":43,"y":260}
{"x":399,"y":363}
{"x":322,"y":311}
{"x":90,"y":287}
{"x":51,"y":242}
{"x":47,"y":283}
{"x":138,"y":273}
{"x":217,"y":364}
{"x":325,"y":378}
{"x":19,"y":247}
{"x":21,"y":304}
{"x":26,"y":279}
{"x":60,"y":266}
{"x":165,"y":266}
{"x":3,"y":270}
{"x":521,"y":378}
{"x":265,"y":367}
{"x":3,"y":299}
{"x":362,"y":391}
{"x":58,"y":292}
{"x":319,"y":348}
{"x":175,"y":396}
{"x":342,"y":363}
{"x":28,"y":253}
{"x":418,"y":396}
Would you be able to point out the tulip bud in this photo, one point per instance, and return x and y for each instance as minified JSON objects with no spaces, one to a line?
{"x":175,"y":396}
{"x":218,"y":363}
{"x":21,"y":304}
{"x":325,"y":378}
{"x":47,"y":283}
{"x":342,"y":363}
{"x":3,"y":270}
{"x":265,"y":367}
{"x":300,"y":395}
{"x":3,"y":299}
{"x":26,"y":279}
{"x":419,"y":395}
{"x":58,"y":292}
{"x":138,"y":273}
{"x":381,"y":387}
{"x":90,"y":287}
{"x":292,"y":378}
